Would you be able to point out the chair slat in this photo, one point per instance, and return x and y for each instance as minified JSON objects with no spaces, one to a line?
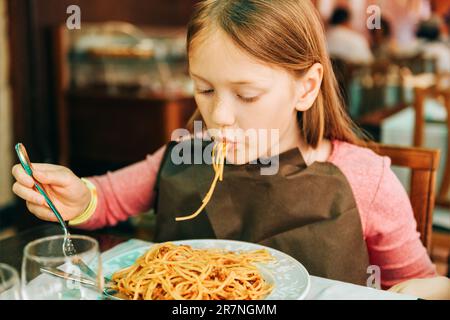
{"x":424,"y":164}
{"x":411,"y":157}
{"x":422,"y":201}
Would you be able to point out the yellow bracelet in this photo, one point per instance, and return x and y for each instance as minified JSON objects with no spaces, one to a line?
{"x":83,"y":217}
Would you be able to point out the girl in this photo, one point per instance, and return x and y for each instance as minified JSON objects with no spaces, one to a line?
{"x":334,"y":205}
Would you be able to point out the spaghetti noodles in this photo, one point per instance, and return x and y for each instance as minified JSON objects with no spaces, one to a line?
{"x":169,"y":271}
{"x":218,"y":162}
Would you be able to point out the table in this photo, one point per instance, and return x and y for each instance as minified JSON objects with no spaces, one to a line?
{"x":321,"y":289}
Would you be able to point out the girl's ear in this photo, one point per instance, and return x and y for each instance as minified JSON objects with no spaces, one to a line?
{"x":308,"y":87}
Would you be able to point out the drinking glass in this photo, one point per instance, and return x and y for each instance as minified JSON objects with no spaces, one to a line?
{"x":9,"y":283}
{"x":47,"y":254}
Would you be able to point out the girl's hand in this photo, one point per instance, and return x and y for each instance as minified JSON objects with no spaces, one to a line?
{"x":437,"y":288}
{"x":68,"y":193}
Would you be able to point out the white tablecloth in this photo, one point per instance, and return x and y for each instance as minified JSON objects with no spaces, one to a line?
{"x":326,"y":289}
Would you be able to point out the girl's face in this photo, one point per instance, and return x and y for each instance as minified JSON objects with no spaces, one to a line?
{"x":235,"y":92}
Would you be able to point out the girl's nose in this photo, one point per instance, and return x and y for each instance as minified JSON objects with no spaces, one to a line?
{"x":223,"y":114}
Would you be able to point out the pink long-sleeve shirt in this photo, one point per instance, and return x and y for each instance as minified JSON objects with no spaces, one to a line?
{"x":388,"y":224}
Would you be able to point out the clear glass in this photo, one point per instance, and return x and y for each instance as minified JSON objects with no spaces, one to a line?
{"x":47,"y":253}
{"x":9,"y":283}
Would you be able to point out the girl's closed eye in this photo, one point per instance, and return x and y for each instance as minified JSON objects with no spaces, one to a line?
{"x":205,"y":91}
{"x":249,"y":96}
{"x":248,"y":99}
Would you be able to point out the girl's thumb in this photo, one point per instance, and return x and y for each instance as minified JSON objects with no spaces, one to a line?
{"x":48,"y":177}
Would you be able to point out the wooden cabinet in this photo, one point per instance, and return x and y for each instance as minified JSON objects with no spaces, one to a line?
{"x":106,"y":133}
{"x":102,"y":129}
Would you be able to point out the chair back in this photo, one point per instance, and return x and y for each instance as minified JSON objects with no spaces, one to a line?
{"x":423,"y":164}
{"x":441,"y":93}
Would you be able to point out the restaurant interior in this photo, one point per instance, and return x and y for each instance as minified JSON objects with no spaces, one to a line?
{"x":103,"y":96}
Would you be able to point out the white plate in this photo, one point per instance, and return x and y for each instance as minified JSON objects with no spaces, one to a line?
{"x":290,"y":278}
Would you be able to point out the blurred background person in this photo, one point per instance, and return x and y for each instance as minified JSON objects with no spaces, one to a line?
{"x":382,"y":43}
{"x":447,"y":26}
{"x":344,"y":42}
{"x":433,"y":46}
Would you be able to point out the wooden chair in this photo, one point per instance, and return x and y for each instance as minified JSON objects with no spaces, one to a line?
{"x":434,"y":91}
{"x":445,"y":184}
{"x":438,"y":89}
{"x":423,"y":164}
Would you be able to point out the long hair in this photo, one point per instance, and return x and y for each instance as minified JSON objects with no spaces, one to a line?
{"x":288,"y":34}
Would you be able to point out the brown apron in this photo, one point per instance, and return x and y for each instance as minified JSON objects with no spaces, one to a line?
{"x":305,"y":211}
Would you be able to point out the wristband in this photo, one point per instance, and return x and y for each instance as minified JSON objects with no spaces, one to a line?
{"x":89,"y":211}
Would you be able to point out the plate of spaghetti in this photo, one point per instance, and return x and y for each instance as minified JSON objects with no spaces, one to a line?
{"x":205,"y":269}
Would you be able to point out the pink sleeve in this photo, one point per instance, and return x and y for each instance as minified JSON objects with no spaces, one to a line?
{"x":392,"y":238}
{"x":387,"y":219}
{"x":125,"y":192}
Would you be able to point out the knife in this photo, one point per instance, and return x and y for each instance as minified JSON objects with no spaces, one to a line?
{"x":68,"y":276}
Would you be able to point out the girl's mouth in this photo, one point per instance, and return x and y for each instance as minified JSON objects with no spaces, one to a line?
{"x":227,"y":141}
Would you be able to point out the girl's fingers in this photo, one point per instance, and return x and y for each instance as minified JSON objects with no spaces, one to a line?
{"x":398,"y":287}
{"x":394,"y":288}
{"x":44,"y":173}
{"x":46,"y":166}
{"x":28,"y":194}
{"x":57,"y":177}
{"x":42,"y":212}
{"x":21,"y":176}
